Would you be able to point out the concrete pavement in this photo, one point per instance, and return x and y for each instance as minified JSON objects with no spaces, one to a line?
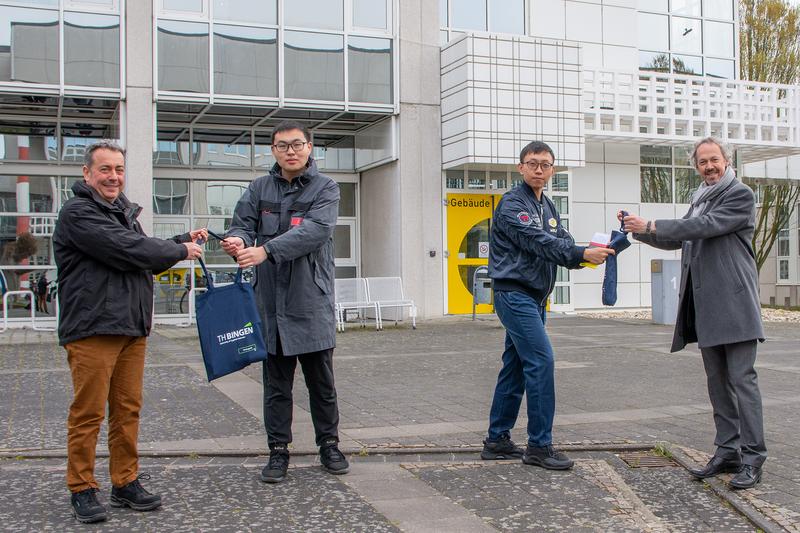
{"x":413,"y":408}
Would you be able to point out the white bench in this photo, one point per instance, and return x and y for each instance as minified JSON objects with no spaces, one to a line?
{"x":387,"y":293}
{"x":352,"y":294}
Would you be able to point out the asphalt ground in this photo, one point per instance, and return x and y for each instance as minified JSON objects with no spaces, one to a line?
{"x":414,"y":406}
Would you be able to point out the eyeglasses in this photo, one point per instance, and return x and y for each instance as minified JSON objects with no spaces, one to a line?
{"x":533,"y":165}
{"x":284,"y":147}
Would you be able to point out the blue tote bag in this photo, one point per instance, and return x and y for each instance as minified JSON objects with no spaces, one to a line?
{"x":229,"y":326}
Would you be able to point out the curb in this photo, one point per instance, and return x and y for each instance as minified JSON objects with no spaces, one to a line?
{"x":355,"y":452}
{"x":724,"y":493}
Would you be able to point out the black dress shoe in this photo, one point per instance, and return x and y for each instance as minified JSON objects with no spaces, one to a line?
{"x":717,"y":465}
{"x":747,"y":478}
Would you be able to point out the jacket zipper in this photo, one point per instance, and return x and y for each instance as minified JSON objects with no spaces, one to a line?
{"x":552,"y":283}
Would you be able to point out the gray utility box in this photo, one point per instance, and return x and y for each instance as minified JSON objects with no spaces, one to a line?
{"x":481,"y":288}
{"x":665,"y":282}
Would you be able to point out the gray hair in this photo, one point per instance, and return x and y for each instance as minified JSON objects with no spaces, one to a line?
{"x":105,"y":144}
{"x":727,"y":153}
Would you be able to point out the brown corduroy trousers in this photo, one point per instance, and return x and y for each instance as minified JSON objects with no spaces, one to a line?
{"x":105,"y":369}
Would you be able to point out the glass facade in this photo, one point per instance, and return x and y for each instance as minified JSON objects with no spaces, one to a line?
{"x":325,"y":51}
{"x":687,"y":37}
{"x":666,"y":176}
{"x":33,"y":40}
{"x":457,"y":17}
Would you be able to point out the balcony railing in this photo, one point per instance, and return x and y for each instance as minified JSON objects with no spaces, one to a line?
{"x":759,"y":119}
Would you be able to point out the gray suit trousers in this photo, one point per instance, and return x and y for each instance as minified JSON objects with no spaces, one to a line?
{"x":736,"y":400}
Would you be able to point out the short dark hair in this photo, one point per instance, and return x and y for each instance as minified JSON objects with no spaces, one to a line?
{"x":105,"y":144}
{"x":536,"y":147}
{"x":288,"y":125}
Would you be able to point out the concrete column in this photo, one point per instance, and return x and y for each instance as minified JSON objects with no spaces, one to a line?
{"x":138,"y":124}
{"x":420,"y":165}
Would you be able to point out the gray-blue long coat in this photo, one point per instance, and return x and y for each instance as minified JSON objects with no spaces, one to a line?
{"x":294,"y":286}
{"x":722,"y":266}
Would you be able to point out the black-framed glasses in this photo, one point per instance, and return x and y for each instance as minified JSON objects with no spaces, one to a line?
{"x":533,"y":165}
{"x":284,"y":147}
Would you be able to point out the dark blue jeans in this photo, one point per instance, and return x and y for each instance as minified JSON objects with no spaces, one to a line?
{"x":527,"y":367}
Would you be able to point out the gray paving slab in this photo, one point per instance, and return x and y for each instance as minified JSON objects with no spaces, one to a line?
{"x":430,"y":389}
{"x":198,"y":496}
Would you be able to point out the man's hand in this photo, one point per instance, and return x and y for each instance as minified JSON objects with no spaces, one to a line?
{"x":635,"y":224}
{"x":201,"y":233}
{"x":251,"y":256}
{"x":232,"y":246}
{"x":597,"y":256}
{"x":193,"y":251}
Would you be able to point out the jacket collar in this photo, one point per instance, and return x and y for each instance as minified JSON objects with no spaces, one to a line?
{"x":130,"y":210}
{"x":303,"y":179}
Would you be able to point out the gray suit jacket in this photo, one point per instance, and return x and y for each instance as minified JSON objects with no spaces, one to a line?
{"x":721,"y":306}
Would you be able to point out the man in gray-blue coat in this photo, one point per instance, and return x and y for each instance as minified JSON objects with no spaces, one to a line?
{"x":719,"y":306}
{"x":283,"y":226}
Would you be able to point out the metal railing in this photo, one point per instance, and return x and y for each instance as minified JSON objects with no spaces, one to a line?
{"x":673,"y":106}
{"x":32,"y":297}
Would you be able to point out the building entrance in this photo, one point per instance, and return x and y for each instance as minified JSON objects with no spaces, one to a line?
{"x":469,"y":219}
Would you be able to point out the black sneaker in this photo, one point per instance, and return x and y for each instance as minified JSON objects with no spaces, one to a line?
{"x":332,"y":459}
{"x":503,"y":448}
{"x":135,"y":496}
{"x":547,"y":457}
{"x":278,"y":464}
{"x":86,"y":508}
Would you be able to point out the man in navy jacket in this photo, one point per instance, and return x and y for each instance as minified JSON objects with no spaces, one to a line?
{"x":527,"y":243}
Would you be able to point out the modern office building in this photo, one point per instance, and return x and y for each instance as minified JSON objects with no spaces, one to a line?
{"x":417,"y":109}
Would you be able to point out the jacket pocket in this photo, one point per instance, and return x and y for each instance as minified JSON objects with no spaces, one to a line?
{"x":269,"y":224}
{"x":322,"y":276}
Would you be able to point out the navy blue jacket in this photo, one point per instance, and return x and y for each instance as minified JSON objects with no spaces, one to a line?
{"x":527,"y":243}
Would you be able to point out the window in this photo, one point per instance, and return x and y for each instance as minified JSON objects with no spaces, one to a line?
{"x":496,"y":16}
{"x":183,"y":56}
{"x":216,"y":197}
{"x":468,"y":14}
{"x":653,"y":32}
{"x":718,"y":40}
{"x":252,"y":11}
{"x":783,"y":270}
{"x":314,"y":65}
{"x":91,"y":50}
{"x":454,"y":179}
{"x":29,"y":45}
{"x":476,"y":179}
{"x":783,"y":242}
{"x":317,"y":14}
{"x":507,"y":16}
{"x":371,"y":14}
{"x":370,"y":70}
{"x":245,"y":60}
{"x":686,"y":182}
{"x":170,"y":197}
{"x":686,"y":7}
{"x":687,"y":35}
{"x":659,"y":165}
{"x":718,"y":9}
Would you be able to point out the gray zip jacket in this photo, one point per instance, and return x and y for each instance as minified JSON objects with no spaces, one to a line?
{"x":294,"y":286}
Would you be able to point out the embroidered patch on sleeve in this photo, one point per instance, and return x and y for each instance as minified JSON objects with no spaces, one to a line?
{"x":524,"y":218}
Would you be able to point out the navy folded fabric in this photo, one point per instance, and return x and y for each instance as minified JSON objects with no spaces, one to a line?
{"x":619,"y":242}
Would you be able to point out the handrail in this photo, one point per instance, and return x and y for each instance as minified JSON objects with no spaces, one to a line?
{"x":26,"y":292}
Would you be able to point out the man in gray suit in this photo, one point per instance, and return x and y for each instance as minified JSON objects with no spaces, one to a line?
{"x":719,"y":306}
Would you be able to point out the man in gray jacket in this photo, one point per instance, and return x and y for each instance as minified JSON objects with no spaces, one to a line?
{"x":283,"y":226}
{"x":719,"y":306}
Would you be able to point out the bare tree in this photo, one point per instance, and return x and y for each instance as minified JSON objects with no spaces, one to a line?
{"x":769,"y":51}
